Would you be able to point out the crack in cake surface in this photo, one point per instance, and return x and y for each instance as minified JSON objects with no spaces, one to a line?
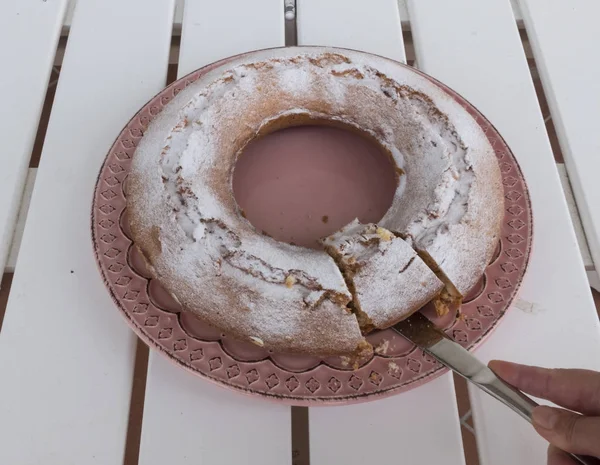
{"x":449,"y":298}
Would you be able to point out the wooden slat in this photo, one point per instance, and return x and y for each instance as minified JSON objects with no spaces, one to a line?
{"x":368,"y":26}
{"x":188,"y":420}
{"x":66,"y":355}
{"x":201,"y":422}
{"x":215,"y":30}
{"x":480,"y":55}
{"x":29,"y":33}
{"x":559,"y":31}
{"x":21,"y":219}
{"x":379,"y":431}
{"x":418,"y":427}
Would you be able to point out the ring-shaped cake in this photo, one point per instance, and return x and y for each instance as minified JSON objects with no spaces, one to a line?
{"x":433,"y":243}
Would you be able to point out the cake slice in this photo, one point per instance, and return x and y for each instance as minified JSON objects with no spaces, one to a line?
{"x":386,"y":277}
{"x":450,"y":298}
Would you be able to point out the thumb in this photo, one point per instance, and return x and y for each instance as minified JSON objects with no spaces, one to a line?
{"x":558,"y":457}
{"x":567,"y":430}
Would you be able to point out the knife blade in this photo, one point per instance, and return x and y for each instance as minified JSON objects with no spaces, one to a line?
{"x":422,"y":332}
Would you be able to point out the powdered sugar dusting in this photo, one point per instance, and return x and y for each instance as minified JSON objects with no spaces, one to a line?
{"x":210,"y":258}
{"x":294,"y":79}
{"x":383,"y":271}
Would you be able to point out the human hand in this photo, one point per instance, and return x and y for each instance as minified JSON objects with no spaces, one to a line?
{"x":576,"y":390}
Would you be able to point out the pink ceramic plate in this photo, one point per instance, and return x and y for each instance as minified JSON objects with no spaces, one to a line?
{"x":397,"y":365}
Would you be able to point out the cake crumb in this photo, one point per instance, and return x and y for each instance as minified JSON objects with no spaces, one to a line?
{"x":441,"y":308}
{"x":258,"y":341}
{"x":393,"y":368}
{"x":345,"y":360}
{"x":384,"y":234}
{"x":325,"y":219}
{"x":383,"y":347}
{"x":290,"y":281}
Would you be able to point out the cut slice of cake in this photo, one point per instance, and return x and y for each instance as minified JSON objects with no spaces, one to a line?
{"x":450,"y":298}
{"x":386,"y":277}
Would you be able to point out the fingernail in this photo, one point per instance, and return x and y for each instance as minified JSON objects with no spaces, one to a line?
{"x":545,"y":417}
{"x":508,"y":371}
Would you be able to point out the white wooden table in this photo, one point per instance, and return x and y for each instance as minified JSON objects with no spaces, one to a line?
{"x":66,"y":356}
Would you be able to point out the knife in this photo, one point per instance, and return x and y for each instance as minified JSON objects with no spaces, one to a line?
{"x":423,"y":333}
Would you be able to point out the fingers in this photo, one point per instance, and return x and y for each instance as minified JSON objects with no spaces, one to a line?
{"x":567,"y":430}
{"x":558,"y":457}
{"x":577,"y":390}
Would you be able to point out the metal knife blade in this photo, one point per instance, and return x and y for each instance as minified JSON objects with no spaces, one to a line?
{"x":423,"y":333}
{"x":419,"y":330}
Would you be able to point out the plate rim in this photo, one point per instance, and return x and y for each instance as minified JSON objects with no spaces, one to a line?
{"x":305,"y":400}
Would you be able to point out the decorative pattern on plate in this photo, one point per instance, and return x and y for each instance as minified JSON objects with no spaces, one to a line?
{"x":301,"y":380}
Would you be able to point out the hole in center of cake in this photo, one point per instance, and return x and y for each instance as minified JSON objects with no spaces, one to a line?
{"x":300,"y":184}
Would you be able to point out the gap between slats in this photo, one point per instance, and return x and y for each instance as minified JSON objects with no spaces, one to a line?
{"x":4,"y":292}
{"x":136,"y":405}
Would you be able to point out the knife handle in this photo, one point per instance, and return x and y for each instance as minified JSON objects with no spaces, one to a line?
{"x":488,"y":381}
